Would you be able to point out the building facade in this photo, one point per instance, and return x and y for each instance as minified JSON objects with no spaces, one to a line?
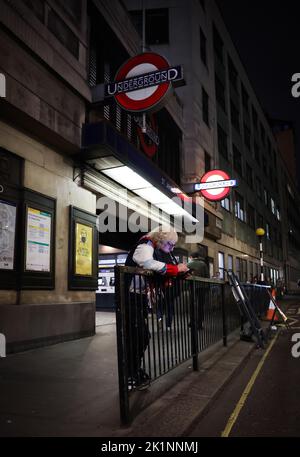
{"x":225,"y":127}
{"x":63,"y":148}
{"x":67,"y":154}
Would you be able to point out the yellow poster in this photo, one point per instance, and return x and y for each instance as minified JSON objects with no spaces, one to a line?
{"x":84,"y":250}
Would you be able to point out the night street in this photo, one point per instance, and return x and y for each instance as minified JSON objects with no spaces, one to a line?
{"x":149,"y":220}
{"x":273,"y":404}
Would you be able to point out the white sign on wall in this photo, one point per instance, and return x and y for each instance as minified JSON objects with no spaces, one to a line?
{"x":38,"y":240}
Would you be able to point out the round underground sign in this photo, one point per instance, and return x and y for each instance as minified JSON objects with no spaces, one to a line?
{"x":142,"y":82}
{"x":215,"y":185}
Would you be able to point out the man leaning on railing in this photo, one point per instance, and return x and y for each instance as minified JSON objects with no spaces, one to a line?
{"x":152,"y":252}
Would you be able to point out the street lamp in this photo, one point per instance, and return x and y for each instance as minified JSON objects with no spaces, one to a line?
{"x":260,"y":233}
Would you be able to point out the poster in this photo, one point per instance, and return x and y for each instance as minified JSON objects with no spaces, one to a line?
{"x":84,"y":250}
{"x":38,"y":243}
{"x":7,"y":235}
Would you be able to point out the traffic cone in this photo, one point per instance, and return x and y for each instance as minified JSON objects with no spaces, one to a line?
{"x":270,"y":311}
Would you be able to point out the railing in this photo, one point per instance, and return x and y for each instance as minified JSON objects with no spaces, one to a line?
{"x":163,"y":322}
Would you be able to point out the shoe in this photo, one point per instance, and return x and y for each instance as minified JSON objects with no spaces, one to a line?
{"x":143,"y":379}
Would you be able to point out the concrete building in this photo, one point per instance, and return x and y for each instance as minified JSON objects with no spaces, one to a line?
{"x":60,"y":143}
{"x":225,"y":127}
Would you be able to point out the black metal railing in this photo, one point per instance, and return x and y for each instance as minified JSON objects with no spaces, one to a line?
{"x":163,"y":322}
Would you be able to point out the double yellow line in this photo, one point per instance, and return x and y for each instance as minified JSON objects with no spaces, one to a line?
{"x":242,"y":400}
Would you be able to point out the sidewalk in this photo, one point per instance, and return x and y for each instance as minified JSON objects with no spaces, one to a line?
{"x":71,"y":389}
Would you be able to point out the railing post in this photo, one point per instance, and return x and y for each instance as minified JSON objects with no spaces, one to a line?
{"x":194,"y":327}
{"x":121,"y":345}
{"x":224,"y":316}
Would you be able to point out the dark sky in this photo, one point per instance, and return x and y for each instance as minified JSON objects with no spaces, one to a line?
{"x":266,"y":35}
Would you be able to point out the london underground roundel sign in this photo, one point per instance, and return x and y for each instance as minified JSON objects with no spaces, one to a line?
{"x":142,"y":82}
{"x":215,"y":185}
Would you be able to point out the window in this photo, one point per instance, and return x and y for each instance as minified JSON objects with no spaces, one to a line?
{"x":263,"y":134}
{"x":256,"y":153}
{"x":268,"y":231}
{"x":244,"y":273}
{"x":226,"y":204}
{"x":221,"y":264}
{"x":37,"y":7}
{"x":251,"y":216}
{"x":251,"y":270}
{"x":218,"y":44}
{"x":245,"y":98}
{"x":202,"y":3}
{"x":238,"y":267}
{"x":273,"y":209}
{"x":258,"y":187}
{"x":205,"y":114}
{"x":230,"y":262}
{"x":232,"y":73}
{"x":235,"y":117}
{"x":222,"y":142}
{"x":264,"y":164}
{"x":62,"y":32}
{"x":237,"y":160}
{"x":254,"y":117}
{"x":239,"y":207}
{"x":207,"y":161}
{"x":249,"y":175}
{"x":203,"y":53}
{"x":157,"y":25}
{"x":260,"y":220}
{"x":220,"y":92}
{"x":278,"y":214}
{"x":266,"y":197}
{"x":247,"y":137}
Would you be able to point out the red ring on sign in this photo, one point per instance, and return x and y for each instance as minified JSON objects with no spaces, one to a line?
{"x":206,"y":193}
{"x":141,"y":105}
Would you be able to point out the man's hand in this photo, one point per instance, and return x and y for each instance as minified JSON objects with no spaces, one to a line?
{"x":182,"y":268}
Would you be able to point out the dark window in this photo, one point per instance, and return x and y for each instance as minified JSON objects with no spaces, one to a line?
{"x":237,"y":160}
{"x":222,"y":142}
{"x":263,"y":134}
{"x":239,"y":207}
{"x":232,"y":73}
{"x":251,"y":216}
{"x":271,"y":175}
{"x":207,"y":160}
{"x":62,"y":32}
{"x":37,"y":7}
{"x":245,"y":98}
{"x":269,"y":147}
{"x":254,"y":117}
{"x":235,"y":117}
{"x":218,"y":44}
{"x":258,"y":187}
{"x":203,"y":47}
{"x":256,"y":153}
{"x":157,"y":25}
{"x":220,"y":92}
{"x":260,"y":220}
{"x":247,"y":136}
{"x":205,"y":111}
{"x":268,"y":231}
{"x":266,"y":197}
{"x":249,"y":175}
{"x":72,"y":8}
{"x":264,"y":164}
{"x":202,"y":3}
